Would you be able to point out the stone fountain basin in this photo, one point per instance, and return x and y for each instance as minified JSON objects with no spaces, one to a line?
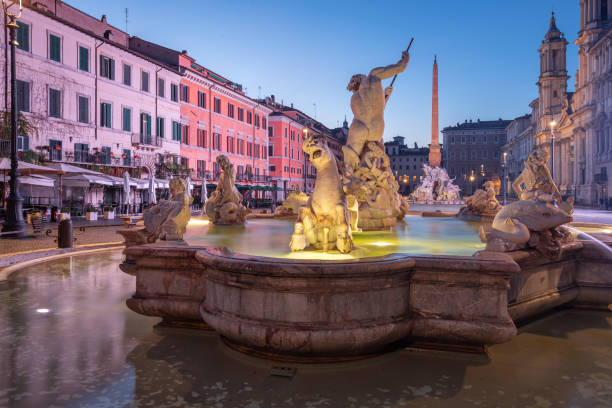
{"x":318,"y":310}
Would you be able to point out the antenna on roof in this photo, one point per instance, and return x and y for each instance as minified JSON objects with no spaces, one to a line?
{"x":126,"y":20}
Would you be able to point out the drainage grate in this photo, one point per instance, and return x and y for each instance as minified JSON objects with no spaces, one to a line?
{"x":286,"y":372}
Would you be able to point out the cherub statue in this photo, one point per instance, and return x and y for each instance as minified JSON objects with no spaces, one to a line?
{"x":224,"y":206}
{"x":167,"y":220}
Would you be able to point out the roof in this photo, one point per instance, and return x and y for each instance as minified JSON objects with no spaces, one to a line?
{"x":479,"y":124}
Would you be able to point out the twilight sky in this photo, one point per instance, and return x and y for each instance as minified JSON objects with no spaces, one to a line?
{"x":306,"y":51}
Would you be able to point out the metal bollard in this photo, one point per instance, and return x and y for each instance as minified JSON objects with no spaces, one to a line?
{"x":64,"y":234}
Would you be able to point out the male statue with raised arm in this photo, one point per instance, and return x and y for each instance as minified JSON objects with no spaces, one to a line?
{"x":368,"y":106}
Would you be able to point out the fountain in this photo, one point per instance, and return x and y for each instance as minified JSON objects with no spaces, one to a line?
{"x":482,"y":205}
{"x":358,"y":294}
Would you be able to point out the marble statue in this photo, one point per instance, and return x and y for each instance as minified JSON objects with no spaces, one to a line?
{"x":324,"y":222}
{"x":534,"y":221}
{"x":167,"y":220}
{"x":224,"y":206}
{"x":367,"y":175}
{"x":482,"y":204}
{"x":292,"y":203}
{"x":435,"y":186}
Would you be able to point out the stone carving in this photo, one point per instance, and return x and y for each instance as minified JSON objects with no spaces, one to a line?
{"x":533,"y":221}
{"x":482,"y":204}
{"x":167,"y":220}
{"x":224,"y":206}
{"x":292,"y":203}
{"x":436,"y":185}
{"x":324,"y":222}
{"x":367,"y":176}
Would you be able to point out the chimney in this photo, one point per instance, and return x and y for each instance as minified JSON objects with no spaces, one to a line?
{"x":103,"y":19}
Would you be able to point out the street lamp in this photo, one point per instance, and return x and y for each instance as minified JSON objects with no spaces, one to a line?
{"x":14,"y":215}
{"x":472,"y":178}
{"x":552,"y":149}
{"x":505,"y":175}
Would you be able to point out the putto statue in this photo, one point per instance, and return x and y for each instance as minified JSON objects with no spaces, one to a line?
{"x":483,"y":204}
{"x":324,"y":222}
{"x":533,"y":221}
{"x":224,"y":206}
{"x":435,"y":186}
{"x":367,"y":176}
{"x":167,"y":220}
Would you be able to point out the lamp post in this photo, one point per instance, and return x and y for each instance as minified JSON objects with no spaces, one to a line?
{"x":14,"y":223}
{"x":472,"y":178}
{"x":505,"y":175}
{"x":552,"y":149}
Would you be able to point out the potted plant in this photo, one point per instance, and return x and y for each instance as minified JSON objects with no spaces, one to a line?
{"x":65,"y":213}
{"x":36,"y":220}
{"x":109,"y":213}
{"x":91,"y":214}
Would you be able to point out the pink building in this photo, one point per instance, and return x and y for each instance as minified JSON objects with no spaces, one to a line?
{"x":216,"y":118}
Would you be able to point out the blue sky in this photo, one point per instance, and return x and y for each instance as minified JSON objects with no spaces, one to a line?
{"x":304,"y":52}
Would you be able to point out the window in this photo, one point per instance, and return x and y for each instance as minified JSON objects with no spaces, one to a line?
{"x":271,"y":149}
{"x":249,"y":118}
{"x":473,"y":139}
{"x":240,"y":146}
{"x":160,"y":127}
{"x":201,"y":166}
{"x":55,"y":48}
{"x":105,"y":156}
{"x":293,"y":135}
{"x":496,"y":138}
{"x":462,"y":139}
{"x":272,"y":168}
{"x":107,"y":68}
{"x":145,"y":128}
{"x":249,"y":149}
{"x":23,"y":96}
{"x":55,"y":103}
{"x":127,"y":75}
{"x":176,"y":131}
{"x":201,"y":99}
{"x":241,"y":114}
{"x":230,"y":110}
{"x":264,"y":152}
{"x":23,"y":143}
{"x":144,"y":81}
{"x":184,"y":93}
{"x":201,"y":138}
{"x":484,"y":139}
{"x":185,"y":134}
{"x":264,"y":122}
{"x":270,"y":131}
{"x":217,"y":105}
{"x":216,"y":142}
{"x":285,"y":133}
{"x":105,"y":115}
{"x":81,"y":152}
{"x":174,"y":92}
{"x":83,"y":109}
{"x":161,"y":88}
{"x":453,"y":139}
{"x":56,"y":150}
{"x":83,"y":58}
{"x":127,"y":157}
{"x":230,"y":144}
{"x":240,"y":173}
{"x":127,"y":119}
{"x":256,"y":120}
{"x":23,"y":36}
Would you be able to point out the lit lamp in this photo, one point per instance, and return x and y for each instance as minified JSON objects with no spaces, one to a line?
{"x":552,"y":149}
{"x":14,"y":203}
{"x":472,"y":178}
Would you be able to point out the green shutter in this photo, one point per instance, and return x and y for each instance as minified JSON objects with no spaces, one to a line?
{"x":111,"y":68}
{"x":108,"y":115}
{"x":84,"y":59}
{"x":127,"y":119}
{"x":55,"y":48}
{"x":148,"y":118}
{"x":23,"y":36}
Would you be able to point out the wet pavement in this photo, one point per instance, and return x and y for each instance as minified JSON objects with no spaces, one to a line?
{"x":68,"y":340}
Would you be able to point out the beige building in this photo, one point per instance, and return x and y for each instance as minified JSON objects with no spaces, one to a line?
{"x":574,"y":126}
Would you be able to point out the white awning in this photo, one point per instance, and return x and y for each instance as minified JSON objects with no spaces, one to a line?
{"x":34,"y":180}
{"x":85,"y":180}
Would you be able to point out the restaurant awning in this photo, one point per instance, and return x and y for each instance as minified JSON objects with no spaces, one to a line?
{"x":26,"y":168}
{"x":34,"y":180}
{"x":85,"y":180}
{"x":70,"y":169}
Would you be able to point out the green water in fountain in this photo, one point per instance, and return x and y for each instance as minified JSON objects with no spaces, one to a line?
{"x":270,"y":237}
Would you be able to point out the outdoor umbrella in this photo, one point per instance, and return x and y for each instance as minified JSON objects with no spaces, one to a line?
{"x":24,"y":169}
{"x":126,"y":189}
{"x":188,"y":183}
{"x":152,"y":196}
{"x":204,"y":192}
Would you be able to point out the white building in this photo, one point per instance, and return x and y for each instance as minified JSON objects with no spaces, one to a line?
{"x":91,"y":99}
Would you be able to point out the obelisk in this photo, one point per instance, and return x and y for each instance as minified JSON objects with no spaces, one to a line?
{"x":435,"y":158}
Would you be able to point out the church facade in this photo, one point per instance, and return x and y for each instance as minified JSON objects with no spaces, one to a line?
{"x":575,"y":127}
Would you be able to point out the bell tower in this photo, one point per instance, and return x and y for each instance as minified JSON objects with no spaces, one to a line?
{"x":552,"y":82}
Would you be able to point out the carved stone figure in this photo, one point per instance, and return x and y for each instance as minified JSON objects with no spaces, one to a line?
{"x":436,"y":185}
{"x":367,"y":176}
{"x":224,"y":206}
{"x":167,"y":220}
{"x":292,"y":204}
{"x":482,"y":204}
{"x":534,"y":221}
{"x":324,"y":222}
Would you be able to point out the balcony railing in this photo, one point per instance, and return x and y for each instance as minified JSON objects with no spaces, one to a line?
{"x":146,"y":140}
{"x":600,"y":177}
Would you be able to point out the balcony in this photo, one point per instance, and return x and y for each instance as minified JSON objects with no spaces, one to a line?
{"x":600,"y":178}
{"x":146,"y":140}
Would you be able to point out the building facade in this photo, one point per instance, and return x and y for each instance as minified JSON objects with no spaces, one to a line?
{"x":86,"y":93}
{"x":575,"y":127}
{"x":472,"y":152}
{"x":406,"y":163}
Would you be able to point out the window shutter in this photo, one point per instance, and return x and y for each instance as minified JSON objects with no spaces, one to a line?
{"x":148,"y":118}
{"x":23,"y":36}
{"x":111,"y":69}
